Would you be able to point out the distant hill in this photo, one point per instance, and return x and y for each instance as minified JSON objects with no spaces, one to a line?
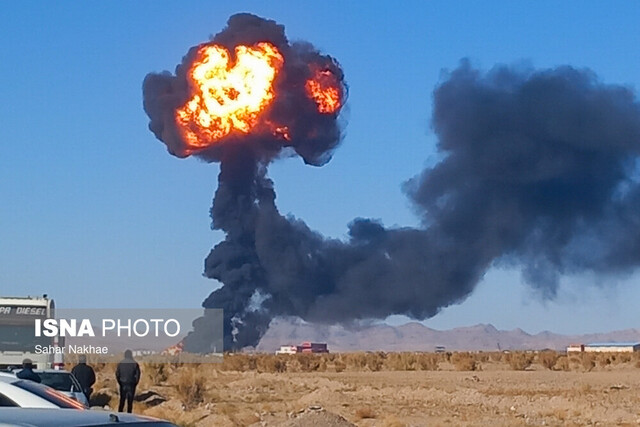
{"x":417,"y":337}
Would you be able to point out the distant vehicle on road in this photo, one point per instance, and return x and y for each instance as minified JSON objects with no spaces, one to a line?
{"x":71,"y":418}
{"x":15,"y":392}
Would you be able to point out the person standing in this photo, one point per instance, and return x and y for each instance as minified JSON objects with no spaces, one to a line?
{"x":26,"y":373}
{"x":85,"y":375}
{"x":128,"y":376}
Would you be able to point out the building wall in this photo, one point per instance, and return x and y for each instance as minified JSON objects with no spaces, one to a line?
{"x":611,"y":349}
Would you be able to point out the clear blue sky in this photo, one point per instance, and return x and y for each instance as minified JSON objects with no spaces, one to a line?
{"x":95,"y":212}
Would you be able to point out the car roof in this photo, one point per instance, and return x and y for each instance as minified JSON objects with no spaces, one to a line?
{"x":27,"y":417}
{"x":22,"y":397}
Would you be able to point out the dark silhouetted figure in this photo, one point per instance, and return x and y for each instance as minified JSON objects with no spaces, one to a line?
{"x":128,"y":376}
{"x":85,"y":376}
{"x":26,"y":373}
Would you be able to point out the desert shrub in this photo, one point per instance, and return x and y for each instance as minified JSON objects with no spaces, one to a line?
{"x":401,"y":362}
{"x":496,"y":356}
{"x":355,"y":361}
{"x":329,"y":357}
{"x":190,"y":386}
{"x":562,"y":364}
{"x":154,"y":374}
{"x":394,"y":362}
{"x":238,"y":362}
{"x":271,"y":364}
{"x":588,"y":361}
{"x":410,"y":361}
{"x":428,"y":361}
{"x":158,"y":372}
{"x":375,"y":361}
{"x":464,"y":361}
{"x":339,"y":366}
{"x":548,"y":359}
{"x":482,"y":357}
{"x":625,"y":357}
{"x":519,"y":361}
{"x":603,"y":360}
{"x":307,"y":362}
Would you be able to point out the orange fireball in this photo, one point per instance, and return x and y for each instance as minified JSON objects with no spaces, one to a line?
{"x":227,"y":96}
{"x":323,"y":88}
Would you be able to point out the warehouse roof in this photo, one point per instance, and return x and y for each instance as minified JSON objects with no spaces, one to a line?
{"x":614,"y":344}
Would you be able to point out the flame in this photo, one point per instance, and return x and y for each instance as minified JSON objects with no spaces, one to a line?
{"x":323,"y":88}
{"x":227,"y":96}
{"x":283,"y":132}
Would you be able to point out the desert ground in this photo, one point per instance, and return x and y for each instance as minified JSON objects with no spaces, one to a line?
{"x":389,"y":389}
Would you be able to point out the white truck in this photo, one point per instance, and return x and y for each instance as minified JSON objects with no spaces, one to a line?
{"x":18,"y":340}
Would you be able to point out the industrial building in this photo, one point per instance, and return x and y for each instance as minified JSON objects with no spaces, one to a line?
{"x":605,"y":347}
{"x":287,"y":349}
{"x":305,"y":347}
{"x":312,"y":347}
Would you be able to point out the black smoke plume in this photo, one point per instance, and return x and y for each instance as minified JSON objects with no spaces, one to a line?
{"x":538,"y":169}
{"x":312,"y":135}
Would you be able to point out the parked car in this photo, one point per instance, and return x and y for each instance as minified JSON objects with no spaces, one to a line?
{"x":60,"y":380}
{"x":15,"y":392}
{"x":39,"y":417}
{"x":64,"y":382}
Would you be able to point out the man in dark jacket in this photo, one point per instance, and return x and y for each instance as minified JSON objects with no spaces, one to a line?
{"x":128,"y":376}
{"x":27,"y":372}
{"x":85,"y":375}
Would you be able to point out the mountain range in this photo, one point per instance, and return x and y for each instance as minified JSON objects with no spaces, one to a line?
{"x":415,"y":336}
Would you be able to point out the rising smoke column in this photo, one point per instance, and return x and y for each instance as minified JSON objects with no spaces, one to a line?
{"x":243,"y":99}
{"x":538,"y":169}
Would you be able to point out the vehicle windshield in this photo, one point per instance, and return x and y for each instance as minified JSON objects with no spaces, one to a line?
{"x":20,"y":338}
{"x":49,"y":394}
{"x":61,"y":381}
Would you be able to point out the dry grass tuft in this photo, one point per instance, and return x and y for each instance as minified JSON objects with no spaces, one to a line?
{"x":429,"y":361}
{"x":339,"y":366}
{"x":272,"y":364}
{"x":548,"y":359}
{"x":375,"y":361}
{"x":519,"y":361}
{"x":154,"y":374}
{"x":239,"y":362}
{"x":401,"y":362}
{"x":562,"y":364}
{"x":464,"y":361}
{"x":190,"y":386}
{"x":588,"y":362}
